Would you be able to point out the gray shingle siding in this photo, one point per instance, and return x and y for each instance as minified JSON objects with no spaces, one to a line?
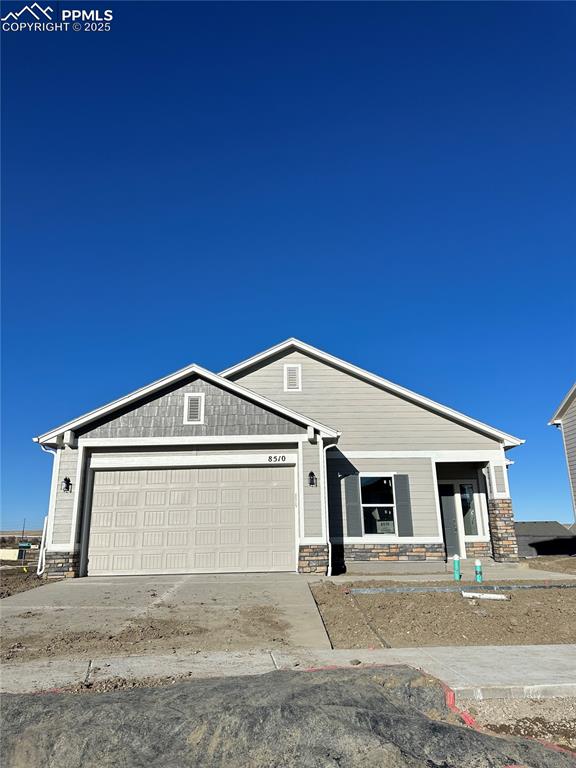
{"x":369,"y":417}
{"x":224,"y":414}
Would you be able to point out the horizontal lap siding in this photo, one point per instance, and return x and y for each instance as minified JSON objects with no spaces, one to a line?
{"x":422,"y":490}
{"x":569,"y":430}
{"x":312,"y":494}
{"x":368,"y":417}
{"x":224,"y":414}
{"x":64,"y":502}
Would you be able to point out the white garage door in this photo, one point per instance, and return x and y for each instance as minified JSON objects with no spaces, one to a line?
{"x":192,"y":520}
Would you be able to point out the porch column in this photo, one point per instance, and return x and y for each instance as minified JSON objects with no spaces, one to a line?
{"x":501,"y":515}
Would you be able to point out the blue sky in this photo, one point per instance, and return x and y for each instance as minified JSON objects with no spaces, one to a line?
{"x":390,"y":182}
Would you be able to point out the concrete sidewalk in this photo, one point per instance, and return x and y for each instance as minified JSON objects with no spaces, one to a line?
{"x":482,"y":672}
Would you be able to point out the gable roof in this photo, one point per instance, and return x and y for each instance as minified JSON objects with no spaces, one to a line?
{"x":508,"y":441}
{"x":564,"y":405}
{"x":173,"y":378}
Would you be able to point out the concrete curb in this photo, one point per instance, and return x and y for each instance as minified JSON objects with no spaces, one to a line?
{"x":473,"y":672}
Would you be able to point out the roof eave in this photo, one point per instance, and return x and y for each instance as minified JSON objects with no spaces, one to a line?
{"x":570,"y":395}
{"x":508,"y":441}
{"x":190,"y":370}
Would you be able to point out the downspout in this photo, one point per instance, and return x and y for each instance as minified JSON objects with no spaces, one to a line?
{"x":42,"y":552}
{"x":324,"y":469}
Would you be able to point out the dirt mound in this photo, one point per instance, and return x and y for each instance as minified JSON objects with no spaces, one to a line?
{"x":390,"y":718}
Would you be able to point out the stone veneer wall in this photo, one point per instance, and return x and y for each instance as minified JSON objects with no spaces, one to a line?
{"x":62,"y":564}
{"x":390,"y":552}
{"x":313,"y":558}
{"x":502,"y":530}
{"x":476,"y":549}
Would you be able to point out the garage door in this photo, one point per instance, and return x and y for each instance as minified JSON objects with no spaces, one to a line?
{"x":192,"y":520}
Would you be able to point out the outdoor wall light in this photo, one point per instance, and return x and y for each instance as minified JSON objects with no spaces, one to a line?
{"x":312,"y":479}
{"x":66,"y":485}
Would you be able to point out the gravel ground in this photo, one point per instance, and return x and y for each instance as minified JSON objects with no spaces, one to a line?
{"x":540,"y":616}
{"x":549,"y":719}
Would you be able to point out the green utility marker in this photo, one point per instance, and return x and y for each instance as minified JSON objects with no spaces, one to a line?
{"x":456,"y":566}
{"x":478,"y":571}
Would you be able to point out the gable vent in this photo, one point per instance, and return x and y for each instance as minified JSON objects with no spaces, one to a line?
{"x":292,"y":378}
{"x":194,"y":409}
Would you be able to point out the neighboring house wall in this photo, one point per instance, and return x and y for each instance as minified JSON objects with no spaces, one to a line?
{"x":569,"y":436}
{"x":368,"y":417}
{"x":224,"y":414}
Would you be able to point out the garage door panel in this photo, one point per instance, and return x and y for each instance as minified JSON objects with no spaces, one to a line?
{"x":179,"y":517}
{"x":153,"y":539}
{"x":127,"y":499}
{"x":126,"y":519}
{"x":207,"y":496}
{"x":179,"y":498}
{"x":193,"y":520}
{"x":178,"y":538}
{"x":230,"y":536}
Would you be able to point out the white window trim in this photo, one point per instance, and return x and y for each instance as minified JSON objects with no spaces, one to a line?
{"x":187,"y":397}
{"x":299,"y":367}
{"x":378,"y":536}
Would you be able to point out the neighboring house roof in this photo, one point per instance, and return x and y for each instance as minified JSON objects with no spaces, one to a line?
{"x":564,"y":405}
{"x":540,"y":528}
{"x":509,"y":441}
{"x":173,"y":378}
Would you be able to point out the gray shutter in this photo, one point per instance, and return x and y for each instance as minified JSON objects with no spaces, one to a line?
{"x":403,"y":505}
{"x":353,"y":505}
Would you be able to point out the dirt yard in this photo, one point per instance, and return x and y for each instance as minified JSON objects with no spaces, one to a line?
{"x":552,"y":720}
{"x":214,"y":630}
{"x":540,"y":616}
{"x":553,"y":563}
{"x":14,"y":580}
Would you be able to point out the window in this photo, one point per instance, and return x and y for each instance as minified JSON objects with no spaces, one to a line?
{"x":377,"y":497}
{"x":468,"y":509}
{"x":194,"y":408}
{"x":292,"y":378}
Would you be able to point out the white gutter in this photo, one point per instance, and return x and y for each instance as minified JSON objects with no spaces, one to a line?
{"x":42,"y":552}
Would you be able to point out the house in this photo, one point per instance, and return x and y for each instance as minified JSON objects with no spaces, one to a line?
{"x":292,"y":460}
{"x":544,"y":537}
{"x":565,"y":420}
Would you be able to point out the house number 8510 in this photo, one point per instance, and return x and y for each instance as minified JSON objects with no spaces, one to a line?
{"x":276,"y":458}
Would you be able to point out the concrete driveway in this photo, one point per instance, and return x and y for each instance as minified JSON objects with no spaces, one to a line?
{"x":78,"y":618}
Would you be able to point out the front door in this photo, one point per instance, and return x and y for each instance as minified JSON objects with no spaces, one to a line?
{"x":450,"y":525}
{"x":459,"y":514}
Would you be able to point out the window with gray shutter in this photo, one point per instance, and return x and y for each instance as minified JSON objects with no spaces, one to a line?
{"x":292,"y":378}
{"x":194,"y":408}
